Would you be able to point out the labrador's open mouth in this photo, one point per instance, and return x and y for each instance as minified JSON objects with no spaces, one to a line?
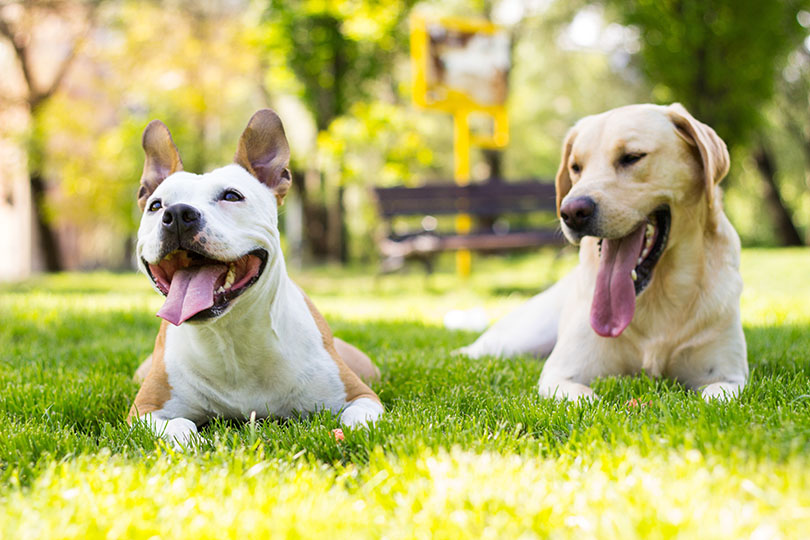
{"x":626,"y":267}
{"x":198,"y":287}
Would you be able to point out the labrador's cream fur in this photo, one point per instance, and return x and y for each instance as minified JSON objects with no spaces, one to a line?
{"x":686,"y":324}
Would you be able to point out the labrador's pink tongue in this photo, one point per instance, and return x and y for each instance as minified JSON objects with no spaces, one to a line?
{"x":614,"y":299}
{"x":191,"y":291}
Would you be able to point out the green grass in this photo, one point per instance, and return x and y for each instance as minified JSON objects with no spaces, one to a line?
{"x":466,"y":448}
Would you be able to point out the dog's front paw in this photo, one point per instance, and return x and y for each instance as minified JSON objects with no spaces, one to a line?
{"x":721,"y":391}
{"x":361,"y":412}
{"x":476,"y":350}
{"x":176,"y":431}
{"x":464,"y":351}
{"x":567,"y":390}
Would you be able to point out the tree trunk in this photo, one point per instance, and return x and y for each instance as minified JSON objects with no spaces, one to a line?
{"x":494,"y":160}
{"x":343,"y":251}
{"x":786,"y":232}
{"x":48,"y":244}
{"x":315,"y":219}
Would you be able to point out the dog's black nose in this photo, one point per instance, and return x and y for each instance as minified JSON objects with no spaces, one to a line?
{"x":182,"y":219}
{"x":578,"y":213}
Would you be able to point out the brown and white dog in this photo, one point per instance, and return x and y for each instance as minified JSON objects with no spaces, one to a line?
{"x":657,"y":288}
{"x":239,"y":337}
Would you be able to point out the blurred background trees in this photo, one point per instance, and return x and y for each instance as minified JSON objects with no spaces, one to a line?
{"x":45,"y":38}
{"x":334,"y":54}
{"x":82,"y":78}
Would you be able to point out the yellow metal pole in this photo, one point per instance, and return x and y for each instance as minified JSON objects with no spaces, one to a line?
{"x":461,"y":151}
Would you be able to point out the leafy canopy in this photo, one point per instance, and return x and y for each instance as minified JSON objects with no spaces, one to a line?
{"x":719,"y":58}
{"x":333,"y":49}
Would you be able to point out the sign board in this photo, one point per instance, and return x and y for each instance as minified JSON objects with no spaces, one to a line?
{"x":462,"y":66}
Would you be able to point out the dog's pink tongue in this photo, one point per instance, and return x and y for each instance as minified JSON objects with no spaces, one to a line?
{"x":191,"y":291}
{"x":614,"y":299}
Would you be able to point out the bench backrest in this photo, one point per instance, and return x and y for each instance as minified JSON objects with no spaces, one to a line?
{"x":487,"y":199}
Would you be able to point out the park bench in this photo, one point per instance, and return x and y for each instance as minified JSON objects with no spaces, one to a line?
{"x":490,"y":204}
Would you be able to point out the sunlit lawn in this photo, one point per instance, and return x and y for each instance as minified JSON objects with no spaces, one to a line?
{"x":466,"y":448}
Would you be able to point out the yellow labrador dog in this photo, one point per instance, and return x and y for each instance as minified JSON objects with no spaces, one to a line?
{"x":657,"y":288}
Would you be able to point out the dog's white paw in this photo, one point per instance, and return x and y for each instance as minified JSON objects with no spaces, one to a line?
{"x":179,"y":432}
{"x":176,"y":431}
{"x":722,"y":391}
{"x":361,"y":412}
{"x":477,"y":350}
{"x":567,"y":390}
{"x":464,"y":351}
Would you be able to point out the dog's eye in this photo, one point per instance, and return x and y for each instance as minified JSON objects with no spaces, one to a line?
{"x":575,"y":167}
{"x":231,"y":195}
{"x":629,"y":159}
{"x":155,"y":205}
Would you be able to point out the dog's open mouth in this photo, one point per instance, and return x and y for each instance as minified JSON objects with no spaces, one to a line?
{"x":626,"y":267}
{"x":198,"y":287}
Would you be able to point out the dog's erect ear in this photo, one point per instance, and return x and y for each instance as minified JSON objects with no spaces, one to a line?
{"x":263,"y":151}
{"x":162,"y":159}
{"x":713,"y":152}
{"x":563,"y":181}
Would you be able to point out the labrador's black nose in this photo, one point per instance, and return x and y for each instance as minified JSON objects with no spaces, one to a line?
{"x":578,"y":213}
{"x":182,"y":220}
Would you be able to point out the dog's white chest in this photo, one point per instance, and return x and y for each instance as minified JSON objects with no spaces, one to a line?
{"x":226,"y":375}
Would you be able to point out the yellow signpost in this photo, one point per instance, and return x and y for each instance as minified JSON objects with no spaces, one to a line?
{"x":461,"y":66}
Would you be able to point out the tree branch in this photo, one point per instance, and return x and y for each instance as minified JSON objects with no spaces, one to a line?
{"x":36,"y":96}
{"x":21,"y":52}
{"x":67,"y":62}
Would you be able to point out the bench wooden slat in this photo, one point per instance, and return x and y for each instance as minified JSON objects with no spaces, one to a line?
{"x":496,"y":242}
{"x":428,"y":244}
{"x":488,"y":199}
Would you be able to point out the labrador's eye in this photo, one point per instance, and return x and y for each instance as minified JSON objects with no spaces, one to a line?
{"x":576,"y":167}
{"x":629,"y":159}
{"x":155,"y":205}
{"x":231,"y":195}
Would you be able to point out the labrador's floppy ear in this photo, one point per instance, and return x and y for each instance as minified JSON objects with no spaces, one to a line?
{"x":162,"y":159}
{"x":713,"y":152}
{"x":563,"y":180}
{"x":263,"y":151}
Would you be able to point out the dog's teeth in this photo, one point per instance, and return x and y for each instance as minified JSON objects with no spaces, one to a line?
{"x":640,"y":259}
{"x":633,"y":274}
{"x":169,"y":256}
{"x":650,"y":230}
{"x":221,"y":289}
{"x":230,"y":277}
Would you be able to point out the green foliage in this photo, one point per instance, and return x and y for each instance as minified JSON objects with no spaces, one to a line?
{"x":720,"y":58}
{"x":789,"y":131}
{"x":466,"y":448}
{"x":183,"y":66}
{"x":551,"y":87}
{"x":98,"y":167}
{"x":334,"y":49}
{"x":377,"y":144}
